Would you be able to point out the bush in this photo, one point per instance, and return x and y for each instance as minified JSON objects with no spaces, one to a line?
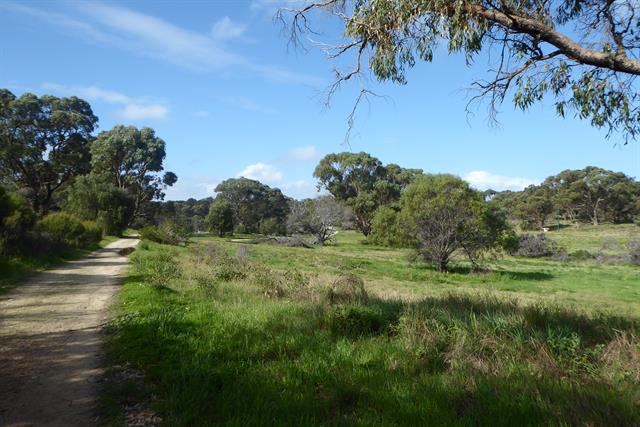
{"x":357,"y":320}
{"x":535,"y":246}
{"x":348,"y":288}
{"x":634,"y":252}
{"x":384,"y":228}
{"x":581,"y":255}
{"x":66,"y":230}
{"x":167,"y":233}
{"x":16,"y":219}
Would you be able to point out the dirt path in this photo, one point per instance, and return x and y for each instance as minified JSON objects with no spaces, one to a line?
{"x":50,"y":342}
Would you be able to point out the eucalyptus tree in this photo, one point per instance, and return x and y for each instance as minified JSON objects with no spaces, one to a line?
{"x":44,"y":144}
{"x":581,"y":53}
{"x":132,"y":159}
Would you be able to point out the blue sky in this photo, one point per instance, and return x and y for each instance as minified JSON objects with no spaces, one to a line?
{"x":220,"y":85}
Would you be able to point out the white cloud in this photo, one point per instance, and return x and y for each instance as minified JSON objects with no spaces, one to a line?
{"x":262,"y":172}
{"x":301,"y":189}
{"x":141,"y":112}
{"x":139,"y":33}
{"x":306,"y":153}
{"x":246,"y":104}
{"x":483,"y":180}
{"x":225,"y":29}
{"x":133,"y":108}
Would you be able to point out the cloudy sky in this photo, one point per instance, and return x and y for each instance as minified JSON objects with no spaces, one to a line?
{"x":221,"y":86}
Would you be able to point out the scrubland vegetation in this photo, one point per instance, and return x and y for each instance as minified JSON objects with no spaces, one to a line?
{"x":227,"y":332}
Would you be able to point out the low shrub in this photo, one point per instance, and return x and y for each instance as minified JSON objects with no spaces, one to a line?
{"x":66,"y":230}
{"x":16,"y":219}
{"x":581,"y":255}
{"x":348,"y":288}
{"x":356,"y":320}
{"x":167,"y":233}
{"x":634,"y":252}
{"x":536,"y":246}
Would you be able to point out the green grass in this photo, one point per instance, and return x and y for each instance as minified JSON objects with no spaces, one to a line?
{"x":532,"y":342}
{"x":15,"y":269}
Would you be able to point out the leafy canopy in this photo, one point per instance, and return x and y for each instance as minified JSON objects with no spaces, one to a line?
{"x":583,"y":53}
{"x":44,"y":143}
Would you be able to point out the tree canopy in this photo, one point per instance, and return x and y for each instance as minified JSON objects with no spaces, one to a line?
{"x":132,"y":159}
{"x":253,"y":203}
{"x":363,"y":183}
{"x":583,"y":53}
{"x":44,"y":143}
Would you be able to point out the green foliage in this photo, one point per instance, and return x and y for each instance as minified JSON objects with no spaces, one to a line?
{"x":363,"y":183}
{"x":68,"y":231}
{"x":253,"y":202}
{"x":220,"y":217}
{"x":385,"y":228}
{"x":580,"y":53}
{"x":534,"y":206}
{"x":132,"y":159}
{"x":45,"y":143}
{"x":93,"y":198}
{"x":168,"y":233}
{"x":16,"y":218}
{"x":352,"y":320}
{"x":441,"y":214}
{"x":272,"y":226}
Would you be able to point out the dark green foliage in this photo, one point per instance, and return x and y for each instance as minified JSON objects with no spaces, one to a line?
{"x":361,"y":182}
{"x":353,"y":320}
{"x":168,"y":233}
{"x":16,"y":219}
{"x":220,"y":217}
{"x":253,"y":202}
{"x":132,"y":159}
{"x":441,"y":214}
{"x":535,"y":245}
{"x":94,"y":198}
{"x":190,"y":214}
{"x":385,"y":228}
{"x":591,"y":194}
{"x":68,"y":231}
{"x":44,"y":143}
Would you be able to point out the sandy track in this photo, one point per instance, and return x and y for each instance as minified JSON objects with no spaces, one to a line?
{"x":50,"y":342}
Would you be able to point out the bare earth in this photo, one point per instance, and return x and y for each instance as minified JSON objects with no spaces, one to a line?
{"x":50,"y":341}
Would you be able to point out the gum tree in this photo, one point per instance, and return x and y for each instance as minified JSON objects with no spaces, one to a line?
{"x":581,"y":53}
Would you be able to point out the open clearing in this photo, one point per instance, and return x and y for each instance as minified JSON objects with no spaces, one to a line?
{"x":50,"y":340}
{"x":233,"y":334}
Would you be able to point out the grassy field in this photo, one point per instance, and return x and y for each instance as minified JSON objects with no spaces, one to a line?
{"x":234,"y":334}
{"x":15,"y":269}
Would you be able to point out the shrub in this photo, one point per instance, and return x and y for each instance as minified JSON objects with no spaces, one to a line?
{"x":384,"y":228}
{"x":355,"y":320}
{"x":93,"y":232}
{"x":581,"y":255}
{"x":167,"y":233}
{"x":634,"y":252}
{"x":16,"y":218}
{"x":535,"y":246}
{"x":66,"y":230}
{"x":348,"y":288}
